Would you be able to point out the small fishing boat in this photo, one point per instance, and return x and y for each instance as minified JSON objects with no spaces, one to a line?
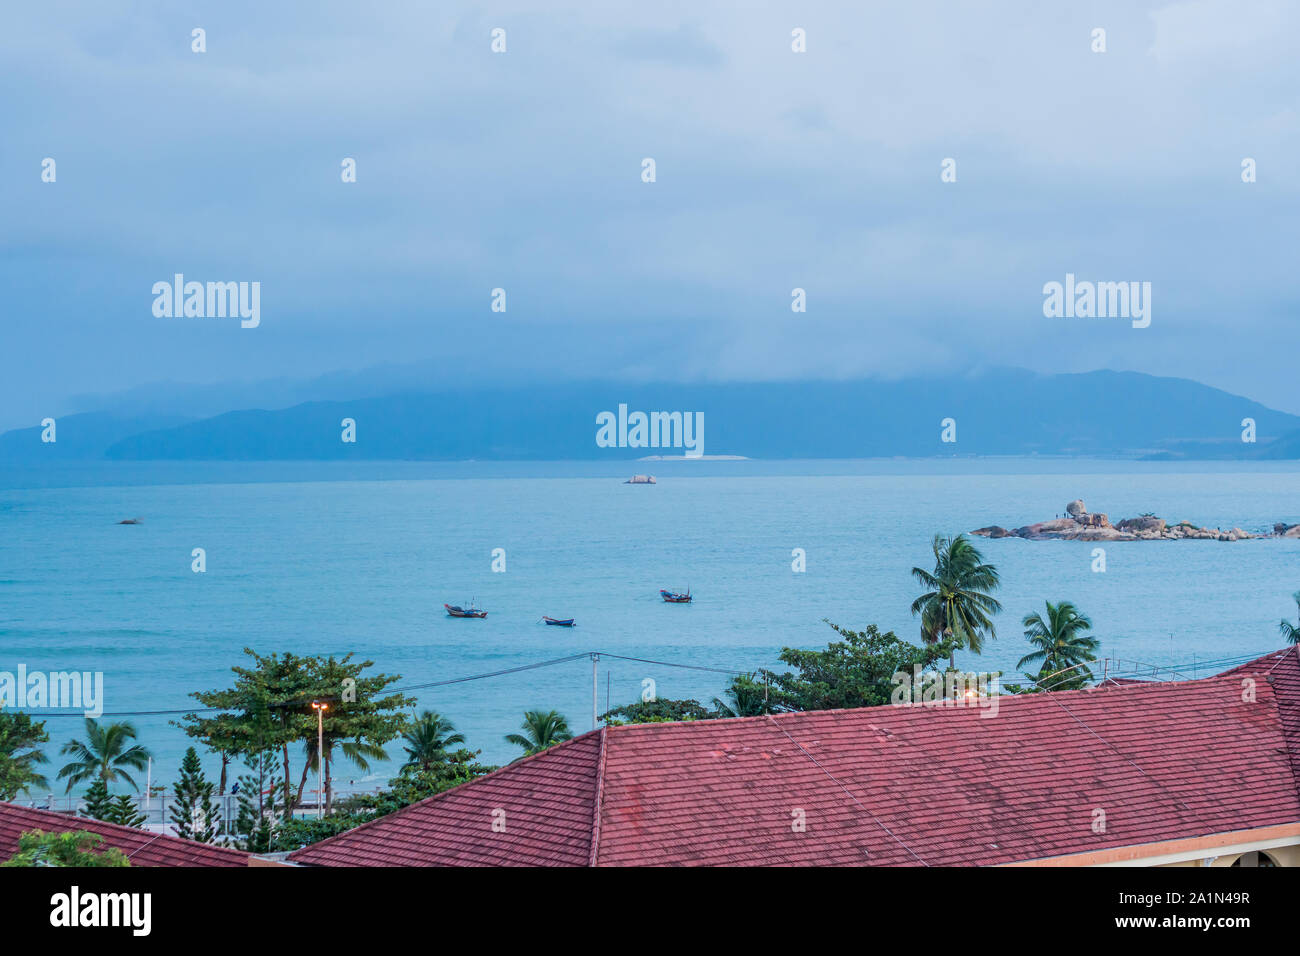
{"x":673,"y":597}
{"x":641,"y":480}
{"x":558,"y":622}
{"x":455,"y":610}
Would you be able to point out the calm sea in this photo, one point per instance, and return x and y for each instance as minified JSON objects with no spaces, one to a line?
{"x":330,"y":558}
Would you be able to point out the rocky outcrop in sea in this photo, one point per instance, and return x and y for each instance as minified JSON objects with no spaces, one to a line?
{"x":1079,"y":524}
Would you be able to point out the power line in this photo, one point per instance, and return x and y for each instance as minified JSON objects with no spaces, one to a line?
{"x":1222,"y":663}
{"x":585,"y":655}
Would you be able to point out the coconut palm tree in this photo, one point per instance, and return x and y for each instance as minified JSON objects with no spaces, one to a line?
{"x":745,"y":698}
{"x":957,"y":603}
{"x":1291,"y":631}
{"x":540,"y":730}
{"x":358,"y":752}
{"x":104,"y":755}
{"x":428,"y":739}
{"x":1060,"y":642}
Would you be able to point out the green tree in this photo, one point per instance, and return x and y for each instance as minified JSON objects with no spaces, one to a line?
{"x":269,"y":708}
{"x":193,"y":813}
{"x":540,"y":731}
{"x":858,"y":671}
{"x":957,"y":604}
{"x":99,"y":805}
{"x":746,"y":696}
{"x":1060,"y":645}
{"x":659,"y":710}
{"x":259,"y":812}
{"x":360,"y":718}
{"x":74,"y":849}
{"x":1291,"y":631}
{"x":20,"y":753}
{"x":427,"y":740}
{"x":123,"y":811}
{"x":104,"y":754}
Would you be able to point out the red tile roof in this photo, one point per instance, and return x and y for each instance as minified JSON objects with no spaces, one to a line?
{"x":933,"y":785}
{"x":1281,"y":670}
{"x":141,"y":847}
{"x":537,"y":812}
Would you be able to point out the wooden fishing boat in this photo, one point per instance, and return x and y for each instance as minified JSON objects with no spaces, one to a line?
{"x":558,"y":622}
{"x":454,"y":610}
{"x":673,"y":597}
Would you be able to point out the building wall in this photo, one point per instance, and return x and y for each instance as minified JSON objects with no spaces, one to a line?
{"x":1282,"y":855}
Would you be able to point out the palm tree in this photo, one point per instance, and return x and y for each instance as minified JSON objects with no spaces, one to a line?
{"x":358,"y":752}
{"x":428,"y":739}
{"x":745,"y":698}
{"x":540,"y":730}
{"x":957,"y":603}
{"x":1290,"y":631}
{"x":104,"y":755}
{"x":1060,"y":642}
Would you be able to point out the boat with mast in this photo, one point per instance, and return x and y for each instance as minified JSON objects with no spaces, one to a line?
{"x":455,"y":610}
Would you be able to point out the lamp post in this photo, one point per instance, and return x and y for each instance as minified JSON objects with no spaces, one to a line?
{"x":320,"y":707}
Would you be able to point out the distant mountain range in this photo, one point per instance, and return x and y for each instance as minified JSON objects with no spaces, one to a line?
{"x":1006,"y":412}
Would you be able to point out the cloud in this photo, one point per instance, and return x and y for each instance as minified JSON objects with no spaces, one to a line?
{"x":522,"y":170}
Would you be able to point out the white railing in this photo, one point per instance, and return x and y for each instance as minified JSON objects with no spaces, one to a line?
{"x":157,"y":810}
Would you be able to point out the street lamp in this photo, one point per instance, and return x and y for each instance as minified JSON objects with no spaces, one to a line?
{"x":320,"y":707}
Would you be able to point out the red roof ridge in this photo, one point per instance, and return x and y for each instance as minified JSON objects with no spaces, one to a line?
{"x":1281,"y":655}
{"x":517,"y":762}
{"x":1003,"y":700}
{"x":599,"y":800}
{"x":67,"y":823}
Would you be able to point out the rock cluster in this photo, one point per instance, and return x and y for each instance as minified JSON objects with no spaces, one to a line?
{"x":1081,"y":525}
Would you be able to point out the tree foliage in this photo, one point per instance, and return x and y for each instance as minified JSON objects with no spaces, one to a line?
{"x":857,"y":671}
{"x":268,"y":709}
{"x":1288,"y":630}
{"x":193,"y":815}
{"x":73,"y":849}
{"x":427,"y":740}
{"x":1061,"y":648}
{"x":104,"y":754}
{"x":20,"y":753}
{"x":260,"y":810}
{"x":659,"y":710}
{"x":958,"y":604}
{"x":100,"y":805}
{"x":540,"y":731}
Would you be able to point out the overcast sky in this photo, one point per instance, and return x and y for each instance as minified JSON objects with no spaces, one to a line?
{"x":522,"y":170}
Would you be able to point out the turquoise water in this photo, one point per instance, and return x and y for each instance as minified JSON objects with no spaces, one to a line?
{"x":321,"y":559}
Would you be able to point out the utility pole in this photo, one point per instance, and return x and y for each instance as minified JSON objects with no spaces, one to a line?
{"x":594,"y":657}
{"x":319,"y":707}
